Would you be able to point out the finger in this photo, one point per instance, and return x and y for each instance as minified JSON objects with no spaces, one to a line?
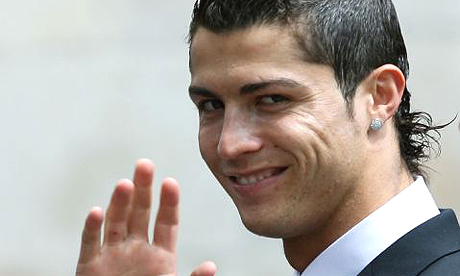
{"x":142,"y":198}
{"x":91,"y":236}
{"x":167,"y":221}
{"x":205,"y":269}
{"x":117,"y":214}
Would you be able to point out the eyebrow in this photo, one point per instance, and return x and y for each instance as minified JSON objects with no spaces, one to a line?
{"x":254,"y":87}
{"x":201,"y":91}
{"x":248,"y":88}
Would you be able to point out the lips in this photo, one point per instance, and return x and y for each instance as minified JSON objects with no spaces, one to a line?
{"x":253,"y":178}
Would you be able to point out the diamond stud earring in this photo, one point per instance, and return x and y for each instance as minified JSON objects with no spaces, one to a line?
{"x":376,"y":124}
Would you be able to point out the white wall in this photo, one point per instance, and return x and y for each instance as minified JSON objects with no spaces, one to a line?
{"x":87,"y":87}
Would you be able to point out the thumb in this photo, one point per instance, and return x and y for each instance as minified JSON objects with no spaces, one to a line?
{"x":205,"y":269}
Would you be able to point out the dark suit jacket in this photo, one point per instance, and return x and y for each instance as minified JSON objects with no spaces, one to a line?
{"x":431,"y":249}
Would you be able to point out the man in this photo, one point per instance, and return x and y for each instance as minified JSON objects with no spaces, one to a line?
{"x":305,"y":121}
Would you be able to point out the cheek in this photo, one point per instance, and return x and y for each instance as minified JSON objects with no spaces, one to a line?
{"x":309,"y":140}
{"x":303,"y":133}
{"x":208,"y":139}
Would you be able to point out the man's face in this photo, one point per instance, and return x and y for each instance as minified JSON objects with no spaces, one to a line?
{"x":274,"y":130}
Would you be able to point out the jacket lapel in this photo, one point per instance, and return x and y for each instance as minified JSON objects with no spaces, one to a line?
{"x":417,"y":249}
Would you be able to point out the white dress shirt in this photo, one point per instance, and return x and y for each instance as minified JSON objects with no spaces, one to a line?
{"x":353,"y":251}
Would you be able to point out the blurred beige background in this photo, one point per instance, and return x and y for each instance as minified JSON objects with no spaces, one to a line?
{"x":88,"y":87}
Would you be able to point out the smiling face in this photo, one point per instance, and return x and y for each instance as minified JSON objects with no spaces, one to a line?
{"x":275,"y":130}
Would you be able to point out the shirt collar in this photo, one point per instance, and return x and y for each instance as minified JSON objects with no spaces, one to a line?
{"x":353,"y":251}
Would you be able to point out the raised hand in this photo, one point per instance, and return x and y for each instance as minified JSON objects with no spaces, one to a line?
{"x":126,"y":250}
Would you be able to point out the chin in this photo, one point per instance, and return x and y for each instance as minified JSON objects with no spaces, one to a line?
{"x":263,"y":231}
{"x":259,"y":225}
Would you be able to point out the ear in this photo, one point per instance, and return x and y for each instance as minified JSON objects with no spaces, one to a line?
{"x":386,"y":90}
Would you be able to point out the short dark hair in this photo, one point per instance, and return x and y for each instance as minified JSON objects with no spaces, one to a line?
{"x":354,"y":37}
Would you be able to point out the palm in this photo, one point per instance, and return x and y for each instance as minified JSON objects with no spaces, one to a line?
{"x":139,"y":260}
{"x":126,"y":250}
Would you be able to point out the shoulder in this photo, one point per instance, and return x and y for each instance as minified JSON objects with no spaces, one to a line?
{"x":448,"y":265}
{"x":431,"y":249}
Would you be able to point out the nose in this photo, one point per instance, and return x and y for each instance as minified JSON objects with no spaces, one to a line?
{"x":239,"y":135}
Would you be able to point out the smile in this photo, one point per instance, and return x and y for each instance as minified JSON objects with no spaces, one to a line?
{"x":253,"y":178}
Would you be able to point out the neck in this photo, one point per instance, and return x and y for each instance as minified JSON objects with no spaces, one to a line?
{"x":301,"y":250}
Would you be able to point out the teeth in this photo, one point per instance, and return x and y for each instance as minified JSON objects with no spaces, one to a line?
{"x":243,"y":181}
{"x":254,"y":178}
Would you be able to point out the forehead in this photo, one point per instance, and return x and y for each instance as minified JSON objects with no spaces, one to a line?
{"x":253,"y":47}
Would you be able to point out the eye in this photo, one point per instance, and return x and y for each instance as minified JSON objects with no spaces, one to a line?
{"x":210,"y":105}
{"x":272,"y":99}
